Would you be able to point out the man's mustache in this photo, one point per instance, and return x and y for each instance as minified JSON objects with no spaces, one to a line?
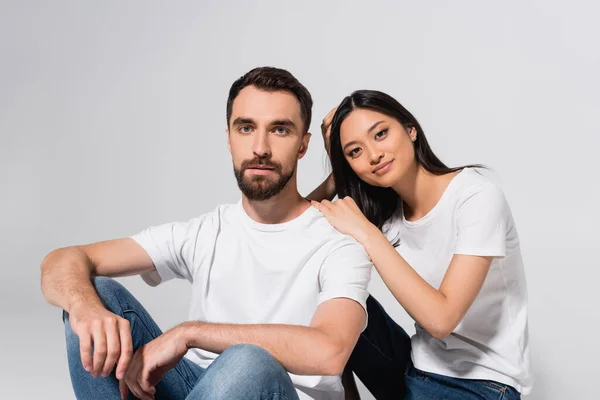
{"x":261,"y":162}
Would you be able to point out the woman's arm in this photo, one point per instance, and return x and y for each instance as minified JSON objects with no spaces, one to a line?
{"x":325,"y":191}
{"x":437,"y":311}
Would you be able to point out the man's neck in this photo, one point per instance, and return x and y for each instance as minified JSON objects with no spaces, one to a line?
{"x":283,"y":207}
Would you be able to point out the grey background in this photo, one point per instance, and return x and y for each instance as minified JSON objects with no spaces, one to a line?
{"x":112,"y":119}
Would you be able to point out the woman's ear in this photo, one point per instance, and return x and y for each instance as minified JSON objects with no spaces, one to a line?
{"x":412,"y":133}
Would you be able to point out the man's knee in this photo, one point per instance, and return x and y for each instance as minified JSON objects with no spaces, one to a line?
{"x":250,"y":355}
{"x":252,"y":364}
{"x":108,"y":289}
{"x":245,"y":368}
{"x":110,"y":292}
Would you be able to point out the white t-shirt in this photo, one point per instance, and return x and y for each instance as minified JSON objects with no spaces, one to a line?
{"x":245,"y":272}
{"x":491,"y":342}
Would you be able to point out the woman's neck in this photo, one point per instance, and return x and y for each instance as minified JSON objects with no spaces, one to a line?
{"x":420,"y":191}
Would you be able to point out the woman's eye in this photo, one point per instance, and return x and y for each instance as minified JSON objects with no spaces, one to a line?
{"x":354,"y":152}
{"x":381,"y":134}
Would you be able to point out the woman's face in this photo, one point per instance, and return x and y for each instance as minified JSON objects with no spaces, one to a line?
{"x":377,"y":147}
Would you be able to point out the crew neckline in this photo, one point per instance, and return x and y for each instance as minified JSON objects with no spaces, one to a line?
{"x":297,"y":222}
{"x":427,"y":217}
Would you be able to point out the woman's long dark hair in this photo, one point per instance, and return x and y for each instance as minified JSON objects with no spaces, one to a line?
{"x":378,"y":204}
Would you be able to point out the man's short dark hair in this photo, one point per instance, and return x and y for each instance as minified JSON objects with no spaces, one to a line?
{"x":272,"y":79}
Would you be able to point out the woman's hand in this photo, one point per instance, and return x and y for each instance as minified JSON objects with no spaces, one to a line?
{"x":346,"y":217}
{"x":326,"y":129}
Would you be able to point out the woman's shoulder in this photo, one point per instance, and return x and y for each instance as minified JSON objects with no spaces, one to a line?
{"x":471,"y":191}
{"x":477,"y":183}
{"x":479,"y":195}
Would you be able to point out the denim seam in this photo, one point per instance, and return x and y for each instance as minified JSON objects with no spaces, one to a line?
{"x":498,"y":387}
{"x":190,"y":386}
{"x":273,"y":393}
{"x":378,"y":349}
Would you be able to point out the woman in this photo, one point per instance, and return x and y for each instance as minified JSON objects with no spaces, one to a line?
{"x":444,"y":242}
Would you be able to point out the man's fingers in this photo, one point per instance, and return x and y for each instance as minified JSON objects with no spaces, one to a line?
{"x":123,"y":389}
{"x":144,"y":381}
{"x":99,"y":338}
{"x":137,"y":390}
{"x":131,"y":377}
{"x":85,"y":348}
{"x":126,"y":348}
{"x":113,"y":347}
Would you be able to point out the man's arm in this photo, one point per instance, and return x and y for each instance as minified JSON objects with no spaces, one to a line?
{"x":323,"y":348}
{"x":66,"y":283}
{"x":66,"y":272}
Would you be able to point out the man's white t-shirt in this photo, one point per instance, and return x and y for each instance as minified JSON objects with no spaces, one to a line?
{"x":245,"y":272}
{"x":491,"y":342}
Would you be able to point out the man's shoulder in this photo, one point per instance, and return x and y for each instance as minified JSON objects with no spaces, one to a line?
{"x":337,"y":241}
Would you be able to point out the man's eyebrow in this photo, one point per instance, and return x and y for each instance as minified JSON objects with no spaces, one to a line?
{"x":283,"y":122}
{"x":242,"y":121}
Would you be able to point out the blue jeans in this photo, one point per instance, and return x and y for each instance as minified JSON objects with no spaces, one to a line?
{"x":382,"y":361}
{"x":241,"y":372}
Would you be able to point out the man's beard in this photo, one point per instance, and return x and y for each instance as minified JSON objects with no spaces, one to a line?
{"x":261,"y":187}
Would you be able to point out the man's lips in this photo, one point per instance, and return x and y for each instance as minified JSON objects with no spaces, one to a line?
{"x":261,"y":167}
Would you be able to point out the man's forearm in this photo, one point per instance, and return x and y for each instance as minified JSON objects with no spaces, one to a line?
{"x":66,"y":279}
{"x":301,"y":350}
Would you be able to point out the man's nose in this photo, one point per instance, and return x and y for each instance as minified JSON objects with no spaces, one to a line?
{"x":260,"y":145}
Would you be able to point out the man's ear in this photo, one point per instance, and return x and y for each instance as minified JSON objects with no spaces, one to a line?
{"x":304,"y":145}
{"x":228,"y":140}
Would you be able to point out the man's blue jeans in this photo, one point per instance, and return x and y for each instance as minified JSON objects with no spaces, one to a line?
{"x":241,"y":372}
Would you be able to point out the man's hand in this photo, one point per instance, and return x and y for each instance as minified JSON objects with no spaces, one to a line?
{"x":110,"y":335}
{"x":152,"y":361}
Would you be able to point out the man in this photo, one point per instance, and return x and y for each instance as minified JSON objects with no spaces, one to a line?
{"x":278,"y":295}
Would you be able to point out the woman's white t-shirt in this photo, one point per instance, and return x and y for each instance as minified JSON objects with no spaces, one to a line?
{"x":491,"y":342}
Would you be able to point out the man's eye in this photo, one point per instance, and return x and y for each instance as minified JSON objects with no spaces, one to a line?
{"x":245,"y":129}
{"x":281,"y":131}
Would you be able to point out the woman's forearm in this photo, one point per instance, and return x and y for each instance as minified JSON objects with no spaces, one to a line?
{"x":325,"y":191}
{"x":426,"y":305}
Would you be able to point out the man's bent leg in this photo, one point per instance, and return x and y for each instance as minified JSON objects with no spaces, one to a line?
{"x":244,"y":372}
{"x":176,"y":383}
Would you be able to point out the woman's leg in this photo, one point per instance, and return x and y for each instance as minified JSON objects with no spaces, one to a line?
{"x":381,"y":356}
{"x":425,"y":386}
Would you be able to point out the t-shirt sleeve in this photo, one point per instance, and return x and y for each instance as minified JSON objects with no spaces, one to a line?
{"x":172,"y":248}
{"x":482,"y":223}
{"x":346,"y":273}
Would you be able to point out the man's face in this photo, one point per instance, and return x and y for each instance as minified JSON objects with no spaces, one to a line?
{"x":266,"y":140}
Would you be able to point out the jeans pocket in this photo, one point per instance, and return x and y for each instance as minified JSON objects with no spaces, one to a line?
{"x":418,"y":374}
{"x":497,"y":387}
